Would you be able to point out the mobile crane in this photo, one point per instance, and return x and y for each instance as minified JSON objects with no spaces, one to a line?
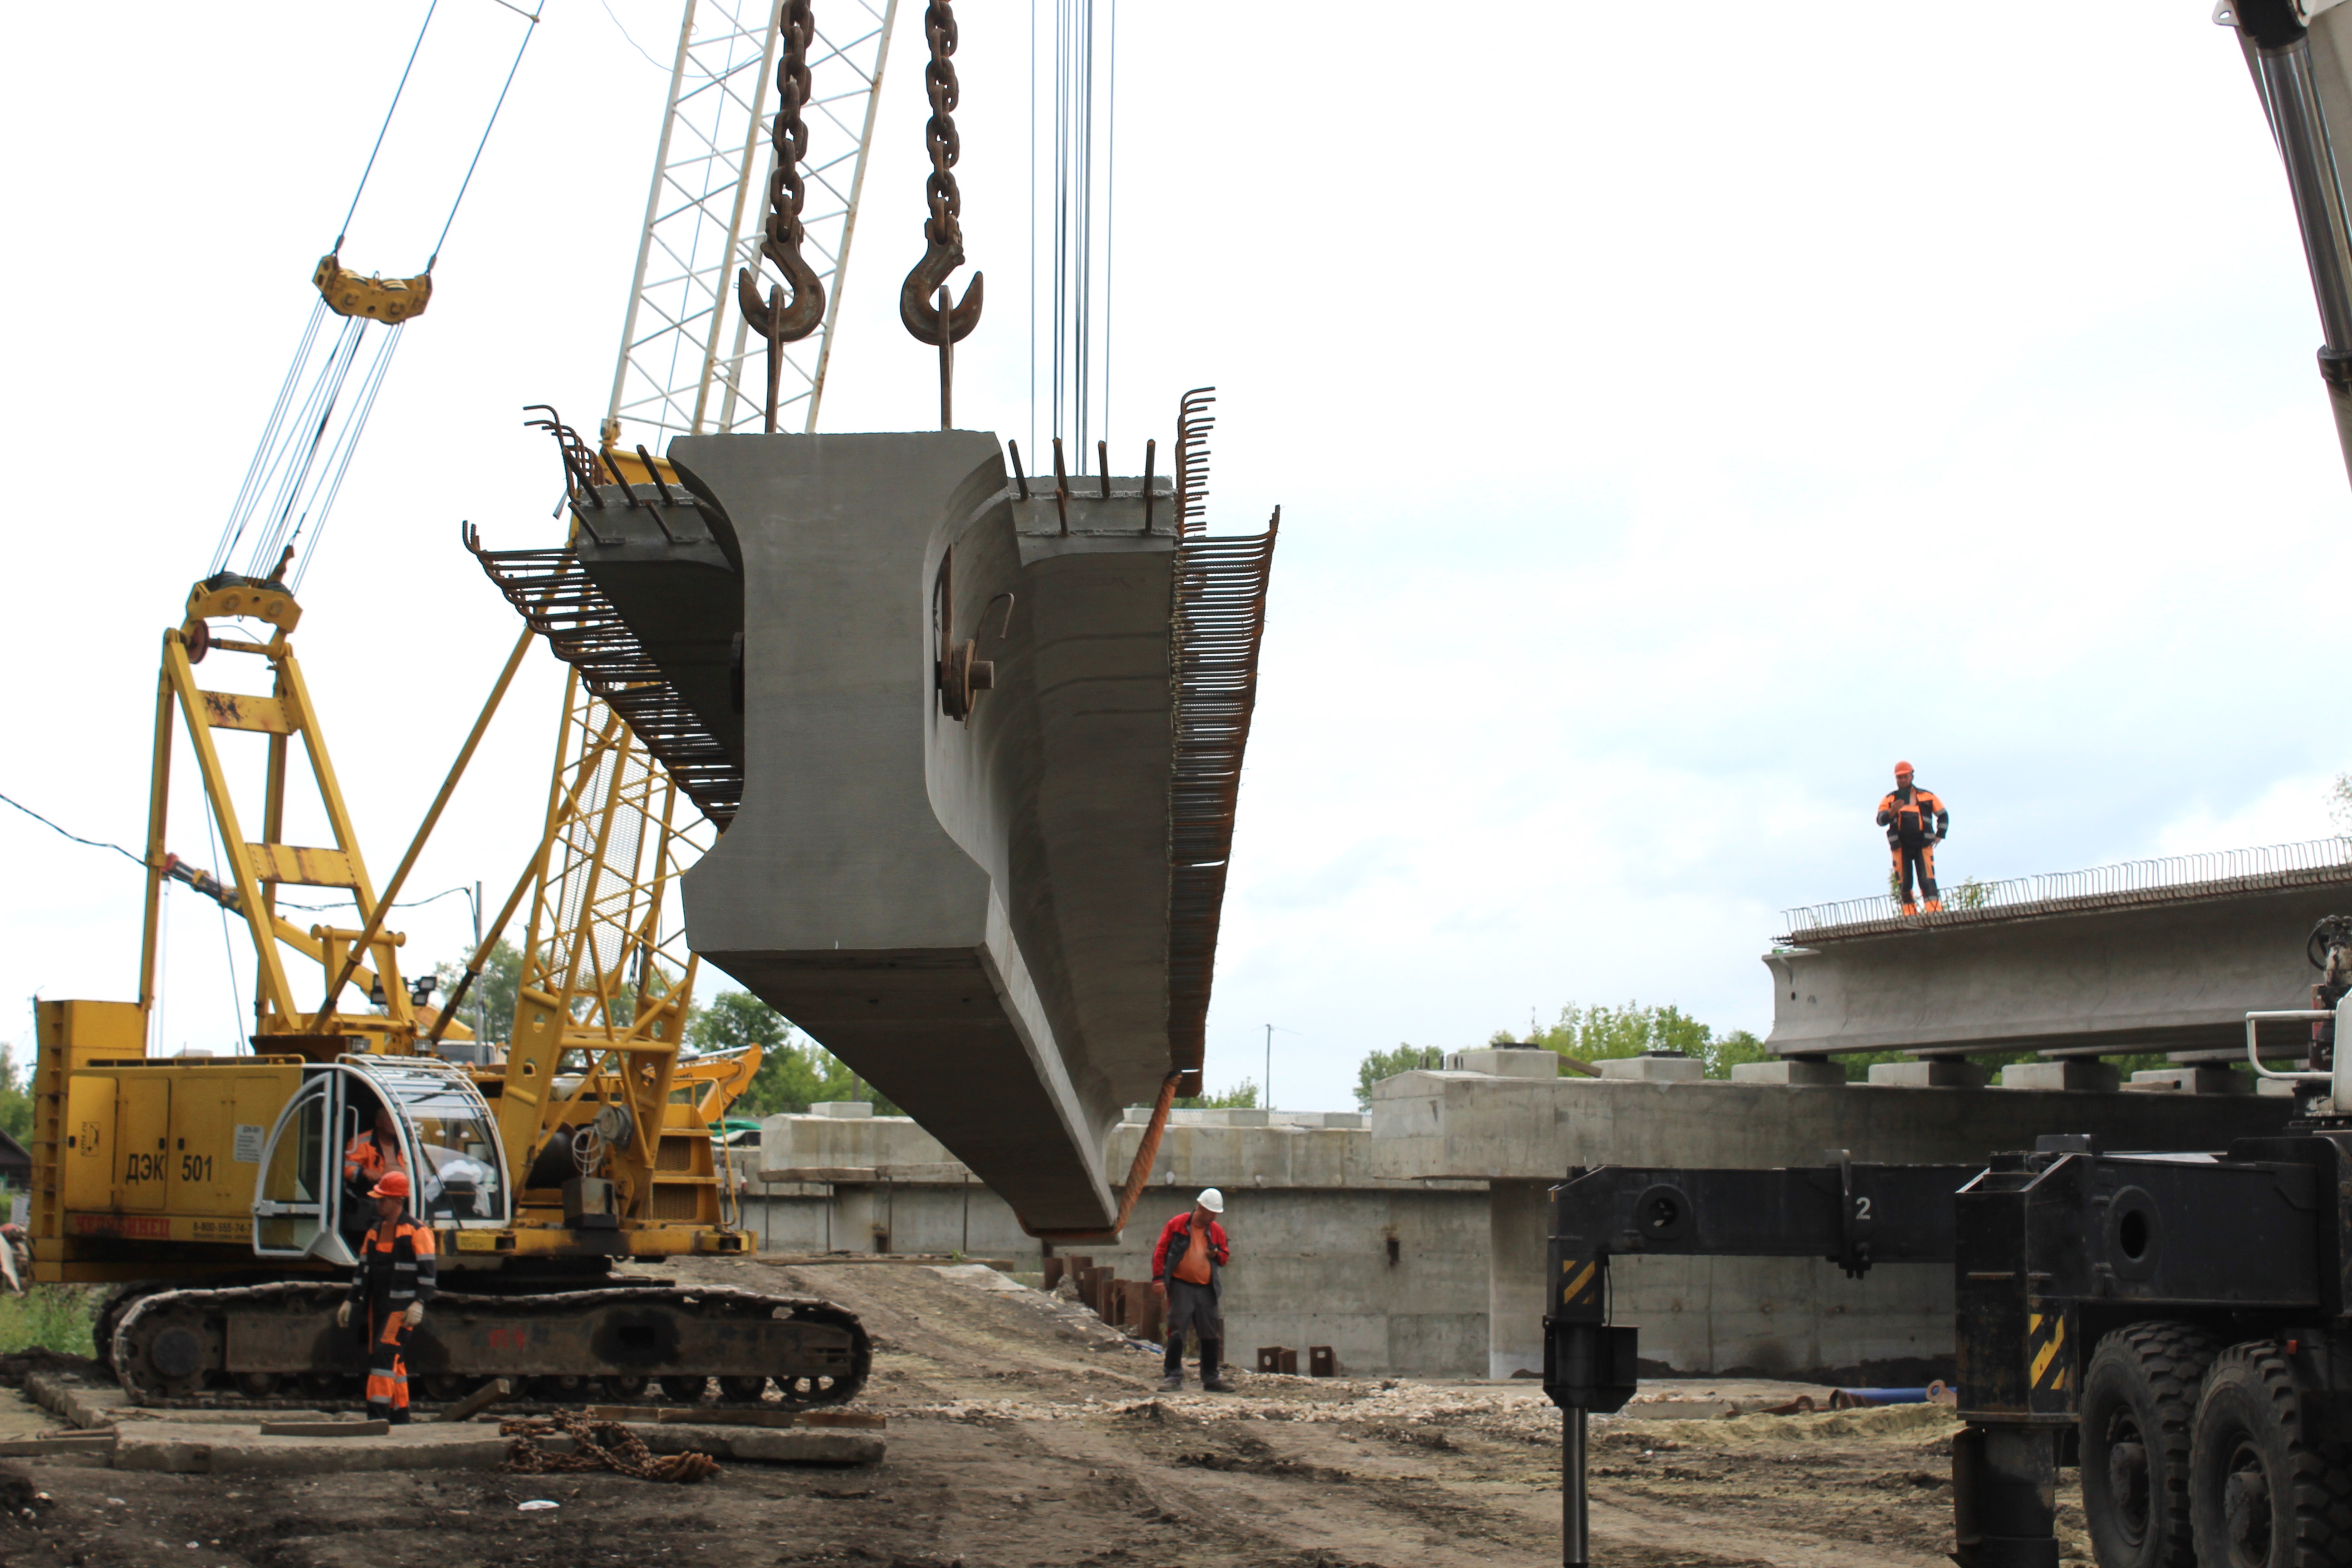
{"x":2179,"y":1326}
{"x":211,"y":1188}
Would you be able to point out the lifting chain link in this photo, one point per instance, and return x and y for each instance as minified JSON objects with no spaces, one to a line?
{"x":932,"y":322}
{"x":596,"y":1446}
{"x":771,"y":318}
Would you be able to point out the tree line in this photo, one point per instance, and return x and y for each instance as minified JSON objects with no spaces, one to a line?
{"x":795,"y":1072}
{"x":1593,"y":1034}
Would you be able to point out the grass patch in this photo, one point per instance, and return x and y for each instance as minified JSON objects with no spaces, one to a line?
{"x":48,"y":1317}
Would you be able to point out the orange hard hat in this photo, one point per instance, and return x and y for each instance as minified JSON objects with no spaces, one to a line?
{"x":1902,"y":768}
{"x":394,"y":1184}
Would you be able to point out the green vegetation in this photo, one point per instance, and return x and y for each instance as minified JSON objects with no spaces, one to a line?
{"x":16,"y":1097}
{"x":1600,"y":1033}
{"x":1243,"y":1096}
{"x":1378,"y":1065}
{"x":48,"y":1317}
{"x":1589,"y":1034}
{"x":489,"y":1005}
{"x":795,"y":1072}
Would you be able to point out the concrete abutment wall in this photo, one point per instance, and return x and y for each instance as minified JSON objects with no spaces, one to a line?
{"x":1417,"y":1244}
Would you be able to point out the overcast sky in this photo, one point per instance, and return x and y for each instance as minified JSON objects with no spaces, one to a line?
{"x":1678,"y":416}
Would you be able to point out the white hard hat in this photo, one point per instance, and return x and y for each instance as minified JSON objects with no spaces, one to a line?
{"x":1213,"y":1200}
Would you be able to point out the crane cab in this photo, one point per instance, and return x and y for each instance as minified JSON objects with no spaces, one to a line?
{"x":185,"y":1164}
{"x":311,"y":1202}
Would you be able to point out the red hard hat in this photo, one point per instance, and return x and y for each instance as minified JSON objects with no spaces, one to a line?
{"x":1902,"y":768}
{"x":394,"y":1184}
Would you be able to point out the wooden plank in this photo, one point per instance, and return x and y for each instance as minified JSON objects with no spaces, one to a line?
{"x":57,"y":1443}
{"x":925,"y":1259}
{"x":325,"y":1428}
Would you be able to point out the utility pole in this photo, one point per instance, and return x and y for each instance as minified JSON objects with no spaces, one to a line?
{"x":1269,"y":1067}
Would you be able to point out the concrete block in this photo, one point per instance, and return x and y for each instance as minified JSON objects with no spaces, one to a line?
{"x":842,"y":1110}
{"x":1505,"y":1061}
{"x":1234,"y":1117}
{"x":2076,"y":1074}
{"x":1654,"y":1069}
{"x":1929,"y":1073}
{"x":2192,"y":1080}
{"x":972,"y":912}
{"x":1809,"y":1074}
{"x":178,"y":1449}
{"x":2273,"y":1089}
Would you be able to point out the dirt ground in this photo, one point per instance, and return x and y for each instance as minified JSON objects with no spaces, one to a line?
{"x":1022,"y":1433}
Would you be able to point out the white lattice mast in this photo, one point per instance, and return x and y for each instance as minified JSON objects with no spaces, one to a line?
{"x":684,"y":347}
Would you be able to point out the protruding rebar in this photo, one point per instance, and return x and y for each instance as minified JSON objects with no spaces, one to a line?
{"x":654,"y":474}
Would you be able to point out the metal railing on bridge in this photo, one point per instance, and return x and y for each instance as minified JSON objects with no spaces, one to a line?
{"x":2177,"y":879}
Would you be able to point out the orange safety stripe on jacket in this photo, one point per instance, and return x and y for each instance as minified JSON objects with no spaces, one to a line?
{"x":1916,"y":821}
{"x":364,"y":1158}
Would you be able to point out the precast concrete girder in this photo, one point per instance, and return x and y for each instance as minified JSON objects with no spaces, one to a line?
{"x":960,"y":713}
{"x":2153,"y":973}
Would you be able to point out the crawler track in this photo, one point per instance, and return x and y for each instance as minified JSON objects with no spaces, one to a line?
{"x":274,"y":1346}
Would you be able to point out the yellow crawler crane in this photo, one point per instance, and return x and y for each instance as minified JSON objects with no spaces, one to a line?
{"x":214,"y":1189}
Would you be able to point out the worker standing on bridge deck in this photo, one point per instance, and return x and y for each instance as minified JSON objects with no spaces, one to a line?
{"x":1916,"y":822}
{"x":394,"y":1280}
{"x":1187,"y":1270}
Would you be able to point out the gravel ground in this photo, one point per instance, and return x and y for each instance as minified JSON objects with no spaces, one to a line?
{"x":1022,"y":1433}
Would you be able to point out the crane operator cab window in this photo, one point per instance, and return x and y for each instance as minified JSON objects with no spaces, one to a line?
{"x":353,"y":1123}
{"x":456,"y":1174}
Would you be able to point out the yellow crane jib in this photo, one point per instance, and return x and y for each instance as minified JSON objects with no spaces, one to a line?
{"x":378,"y":299}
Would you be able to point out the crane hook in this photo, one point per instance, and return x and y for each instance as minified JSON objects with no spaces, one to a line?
{"x":773,"y":319}
{"x":940,"y":323}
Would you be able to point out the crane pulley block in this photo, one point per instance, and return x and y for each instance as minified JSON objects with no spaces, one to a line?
{"x":378,"y":299}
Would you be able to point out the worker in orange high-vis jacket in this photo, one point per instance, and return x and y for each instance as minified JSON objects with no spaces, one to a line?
{"x":1916,"y":822}
{"x":394,"y":1279}
{"x":368,"y":1156}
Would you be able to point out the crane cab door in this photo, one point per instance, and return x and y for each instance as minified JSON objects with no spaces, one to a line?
{"x":89,"y":1154}
{"x":299,"y":1190}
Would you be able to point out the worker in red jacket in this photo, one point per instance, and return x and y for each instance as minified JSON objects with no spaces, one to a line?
{"x":1916,"y":822}
{"x":1187,"y":1271}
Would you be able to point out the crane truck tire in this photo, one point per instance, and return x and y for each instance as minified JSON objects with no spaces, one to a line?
{"x":2139,"y":1398}
{"x":2263,"y":1493}
{"x":219,"y":1347}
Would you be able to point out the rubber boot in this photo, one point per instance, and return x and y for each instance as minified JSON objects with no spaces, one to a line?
{"x":1171,"y":1367}
{"x":1212,"y":1367}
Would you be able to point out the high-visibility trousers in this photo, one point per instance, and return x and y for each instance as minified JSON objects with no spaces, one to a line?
{"x":1918,"y":860}
{"x":387,"y":1377}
